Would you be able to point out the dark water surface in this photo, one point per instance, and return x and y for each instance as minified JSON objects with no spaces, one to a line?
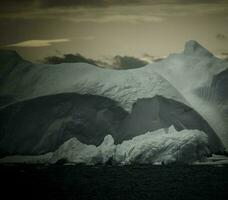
{"x":114,"y":182}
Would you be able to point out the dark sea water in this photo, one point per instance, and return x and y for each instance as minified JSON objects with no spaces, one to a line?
{"x":114,"y":182}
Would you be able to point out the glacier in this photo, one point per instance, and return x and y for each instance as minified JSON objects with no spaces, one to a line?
{"x":158,"y":147}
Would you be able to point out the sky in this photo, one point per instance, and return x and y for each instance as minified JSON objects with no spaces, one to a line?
{"x":103,"y":29}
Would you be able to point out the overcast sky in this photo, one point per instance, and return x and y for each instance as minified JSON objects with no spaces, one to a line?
{"x":101,"y":29}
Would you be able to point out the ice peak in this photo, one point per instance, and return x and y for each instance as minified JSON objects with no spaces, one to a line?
{"x":108,"y":140}
{"x":172,"y":129}
{"x":194,"y":48}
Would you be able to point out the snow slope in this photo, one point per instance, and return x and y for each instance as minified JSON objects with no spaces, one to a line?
{"x":156,"y":147}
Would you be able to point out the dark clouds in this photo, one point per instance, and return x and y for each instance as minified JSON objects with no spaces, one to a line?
{"x":115,"y":30}
{"x":128,"y":62}
{"x":56,"y":3}
{"x":65,"y":3}
{"x":14,"y":5}
{"x":221,"y":36}
{"x":69,"y":58}
{"x":118,"y":62}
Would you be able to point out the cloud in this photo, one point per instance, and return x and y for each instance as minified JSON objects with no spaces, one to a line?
{"x":118,"y":62}
{"x":224,"y":56}
{"x":128,"y":62}
{"x":89,"y":37}
{"x":102,"y":3}
{"x":67,"y":3}
{"x":16,"y":5}
{"x":117,"y":11}
{"x":150,"y":58}
{"x":38,"y":43}
{"x":94,"y":15}
{"x":221,"y":36}
{"x":115,"y":18}
{"x":69,"y":58}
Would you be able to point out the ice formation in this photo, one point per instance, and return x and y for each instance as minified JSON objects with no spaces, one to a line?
{"x":158,"y":147}
{"x":191,"y":73}
{"x":41,"y":125}
{"x":123,"y":86}
{"x":185,"y":78}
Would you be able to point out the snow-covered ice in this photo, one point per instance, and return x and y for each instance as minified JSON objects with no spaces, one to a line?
{"x":185,"y":146}
{"x":161,"y":146}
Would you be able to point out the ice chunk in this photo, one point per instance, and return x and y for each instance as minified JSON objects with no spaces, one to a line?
{"x":75,"y":151}
{"x":185,"y":146}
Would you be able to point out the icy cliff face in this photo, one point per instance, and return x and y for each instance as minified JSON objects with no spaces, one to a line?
{"x":192,"y":73}
{"x":220,"y":87}
{"x":156,"y":147}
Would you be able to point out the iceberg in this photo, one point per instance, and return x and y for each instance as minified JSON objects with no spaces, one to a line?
{"x":140,"y":103}
{"x":157,"y":147}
